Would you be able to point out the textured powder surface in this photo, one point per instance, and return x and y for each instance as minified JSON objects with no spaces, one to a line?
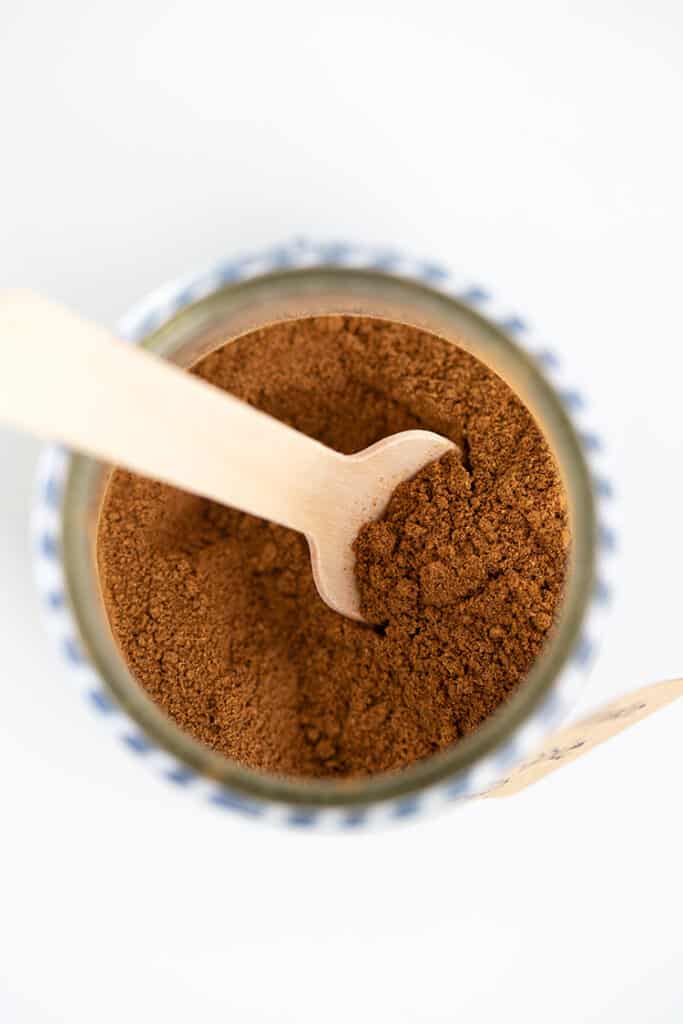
{"x":216,"y":613}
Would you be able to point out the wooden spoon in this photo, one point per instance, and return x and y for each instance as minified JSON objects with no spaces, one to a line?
{"x":64,"y":378}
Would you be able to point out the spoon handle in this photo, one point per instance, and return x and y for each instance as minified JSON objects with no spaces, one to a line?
{"x":69,"y":380}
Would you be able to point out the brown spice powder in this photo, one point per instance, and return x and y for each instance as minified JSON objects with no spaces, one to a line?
{"x":216,"y":613}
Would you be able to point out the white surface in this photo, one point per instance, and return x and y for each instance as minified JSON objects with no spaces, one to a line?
{"x":536,"y":146}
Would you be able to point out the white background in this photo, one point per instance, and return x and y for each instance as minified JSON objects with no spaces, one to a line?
{"x":535,"y":146}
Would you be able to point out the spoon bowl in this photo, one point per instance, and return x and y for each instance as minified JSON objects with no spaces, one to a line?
{"x":358,"y":493}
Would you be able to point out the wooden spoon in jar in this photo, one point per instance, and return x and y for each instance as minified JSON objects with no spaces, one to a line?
{"x":69,"y":380}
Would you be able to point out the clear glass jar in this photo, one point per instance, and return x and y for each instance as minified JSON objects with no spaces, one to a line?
{"x":181,"y":327}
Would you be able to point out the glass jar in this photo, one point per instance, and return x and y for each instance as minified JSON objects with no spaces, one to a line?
{"x":185,"y":321}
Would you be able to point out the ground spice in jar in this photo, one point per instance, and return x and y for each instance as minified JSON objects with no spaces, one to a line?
{"x":216,"y":613}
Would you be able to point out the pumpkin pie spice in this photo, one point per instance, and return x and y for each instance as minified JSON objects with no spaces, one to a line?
{"x":216,"y":613}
